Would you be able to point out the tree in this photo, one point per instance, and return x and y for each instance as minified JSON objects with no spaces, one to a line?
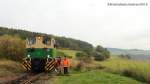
{"x":99,"y":48}
{"x":84,"y":57}
{"x":101,"y":53}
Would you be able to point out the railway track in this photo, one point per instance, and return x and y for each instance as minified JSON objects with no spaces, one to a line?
{"x":26,"y":78}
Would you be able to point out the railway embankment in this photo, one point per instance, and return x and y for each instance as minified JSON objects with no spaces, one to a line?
{"x":9,"y":70}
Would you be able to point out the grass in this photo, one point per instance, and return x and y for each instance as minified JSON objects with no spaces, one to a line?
{"x":9,"y":68}
{"x":71,"y":53}
{"x":139,"y":70}
{"x":94,"y":77}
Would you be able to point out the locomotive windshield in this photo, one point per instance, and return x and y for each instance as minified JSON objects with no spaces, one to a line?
{"x":46,"y":41}
{"x":31,"y":41}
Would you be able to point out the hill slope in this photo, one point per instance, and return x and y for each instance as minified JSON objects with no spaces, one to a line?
{"x":62,"y":42}
{"x":134,"y":53}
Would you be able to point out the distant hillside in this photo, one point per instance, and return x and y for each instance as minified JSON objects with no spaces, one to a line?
{"x":134,"y":53}
{"x":62,"y":42}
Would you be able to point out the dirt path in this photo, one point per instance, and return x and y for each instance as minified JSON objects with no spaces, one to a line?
{"x":45,"y":79}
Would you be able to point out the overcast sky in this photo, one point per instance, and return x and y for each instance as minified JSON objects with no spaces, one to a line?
{"x":88,"y":20}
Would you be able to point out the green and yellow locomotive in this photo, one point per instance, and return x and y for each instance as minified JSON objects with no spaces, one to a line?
{"x":40,"y":54}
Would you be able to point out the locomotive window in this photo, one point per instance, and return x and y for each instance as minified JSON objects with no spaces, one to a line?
{"x":31,"y":41}
{"x":46,"y":41}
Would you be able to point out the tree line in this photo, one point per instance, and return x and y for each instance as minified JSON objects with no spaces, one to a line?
{"x":15,"y":39}
{"x":62,"y":42}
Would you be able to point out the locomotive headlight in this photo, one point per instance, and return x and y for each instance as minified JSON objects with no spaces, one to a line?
{"x":28,"y":56}
{"x":48,"y":56}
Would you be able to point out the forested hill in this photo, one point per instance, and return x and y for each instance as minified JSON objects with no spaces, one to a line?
{"x":133,"y":53}
{"x":62,"y":42}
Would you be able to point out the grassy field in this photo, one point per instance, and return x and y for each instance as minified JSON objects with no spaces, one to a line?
{"x":112,"y":71}
{"x":94,"y":77}
{"x":139,"y":70}
{"x":71,"y":53}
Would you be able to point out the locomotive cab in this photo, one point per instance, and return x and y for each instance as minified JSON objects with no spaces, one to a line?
{"x":40,"y":53}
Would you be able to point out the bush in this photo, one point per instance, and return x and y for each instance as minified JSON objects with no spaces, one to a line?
{"x":12,"y":47}
{"x":80,"y":66}
{"x":125,"y":56}
{"x":84,"y":57}
{"x":99,"y":57}
{"x":80,"y":55}
{"x":101,"y":53}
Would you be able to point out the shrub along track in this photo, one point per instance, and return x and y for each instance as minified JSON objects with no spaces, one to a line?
{"x":26,"y":78}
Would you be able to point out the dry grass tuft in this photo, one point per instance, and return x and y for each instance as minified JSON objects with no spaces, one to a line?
{"x":9,"y":68}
